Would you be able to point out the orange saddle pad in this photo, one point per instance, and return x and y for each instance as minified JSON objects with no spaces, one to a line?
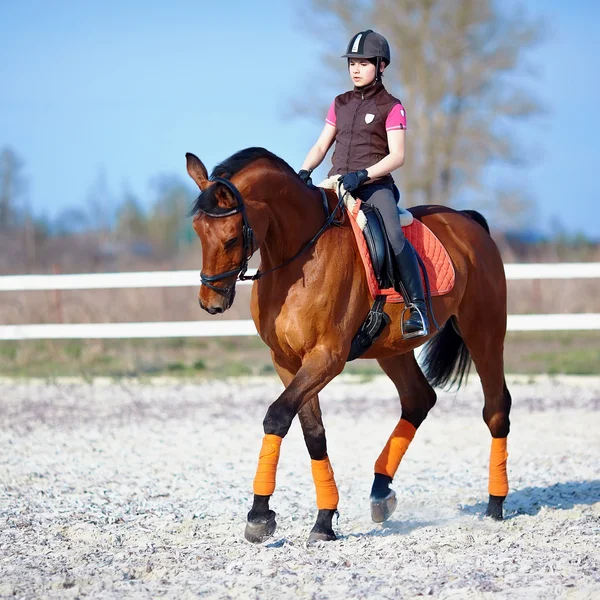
{"x":440,"y":269}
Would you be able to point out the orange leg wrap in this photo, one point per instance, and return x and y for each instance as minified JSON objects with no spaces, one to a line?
{"x":498,"y":478}
{"x":264,"y":482}
{"x":389,"y":459}
{"x":327,"y":492}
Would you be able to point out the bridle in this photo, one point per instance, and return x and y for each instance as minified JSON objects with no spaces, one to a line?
{"x":249,"y":241}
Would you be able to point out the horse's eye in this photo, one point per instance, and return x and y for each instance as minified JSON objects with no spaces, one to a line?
{"x":231,"y":242}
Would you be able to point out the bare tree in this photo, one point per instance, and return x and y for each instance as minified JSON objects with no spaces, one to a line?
{"x":510,"y":208}
{"x":131,"y":223}
{"x":168,"y":227}
{"x":457,"y":66}
{"x":100,"y":207}
{"x":72,"y":220}
{"x":11,"y":187}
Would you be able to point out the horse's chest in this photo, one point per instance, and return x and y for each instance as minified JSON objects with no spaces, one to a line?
{"x":287,"y":321}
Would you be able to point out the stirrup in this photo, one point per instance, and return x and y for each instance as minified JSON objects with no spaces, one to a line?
{"x":413,"y":334}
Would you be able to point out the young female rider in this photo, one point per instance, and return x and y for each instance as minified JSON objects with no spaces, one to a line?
{"x":368,"y":126}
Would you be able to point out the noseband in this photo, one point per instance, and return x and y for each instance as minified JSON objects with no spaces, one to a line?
{"x":248,"y":239}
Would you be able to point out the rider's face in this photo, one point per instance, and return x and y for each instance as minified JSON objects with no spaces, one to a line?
{"x":362,"y":71}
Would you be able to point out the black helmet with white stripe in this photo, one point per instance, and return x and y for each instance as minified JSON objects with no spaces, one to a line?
{"x":369,"y":44}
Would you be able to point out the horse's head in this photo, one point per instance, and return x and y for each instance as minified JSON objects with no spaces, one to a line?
{"x":248,"y":203}
{"x":219,"y":218}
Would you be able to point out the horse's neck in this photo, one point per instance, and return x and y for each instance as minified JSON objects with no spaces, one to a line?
{"x":296,"y":215}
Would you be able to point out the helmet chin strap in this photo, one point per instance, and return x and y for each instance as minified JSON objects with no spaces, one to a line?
{"x":378,"y":69}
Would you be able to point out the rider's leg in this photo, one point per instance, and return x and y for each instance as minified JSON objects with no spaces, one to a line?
{"x":410,"y":276}
{"x":383,"y":197}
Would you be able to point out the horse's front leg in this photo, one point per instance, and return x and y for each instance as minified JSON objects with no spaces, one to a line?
{"x":318,"y":368}
{"x":316,"y":443}
{"x":327,"y":492}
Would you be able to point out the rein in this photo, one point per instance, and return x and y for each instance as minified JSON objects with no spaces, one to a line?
{"x":249,"y":242}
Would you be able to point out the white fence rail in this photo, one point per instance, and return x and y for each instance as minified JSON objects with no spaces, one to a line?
{"x":150,"y":279}
{"x":165,"y":329}
{"x":218,"y":327}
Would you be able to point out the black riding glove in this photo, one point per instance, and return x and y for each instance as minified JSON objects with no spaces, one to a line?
{"x":355,"y":179}
{"x":305,"y":176}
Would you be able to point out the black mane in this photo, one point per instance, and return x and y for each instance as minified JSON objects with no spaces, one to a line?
{"x":207,"y":201}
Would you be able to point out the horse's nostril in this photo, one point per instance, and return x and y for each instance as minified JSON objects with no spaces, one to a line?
{"x":217,"y":309}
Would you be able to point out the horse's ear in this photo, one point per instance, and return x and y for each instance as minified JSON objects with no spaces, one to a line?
{"x":197,"y":170}
{"x":225,"y":198}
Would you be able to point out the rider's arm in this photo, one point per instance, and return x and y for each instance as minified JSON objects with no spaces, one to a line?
{"x":394,"y":159}
{"x":317,"y":153}
{"x":395,"y":126}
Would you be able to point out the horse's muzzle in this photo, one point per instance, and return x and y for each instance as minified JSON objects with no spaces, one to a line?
{"x":217,"y":304}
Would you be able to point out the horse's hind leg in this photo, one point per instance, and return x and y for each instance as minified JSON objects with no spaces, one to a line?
{"x":485,"y":342}
{"x":417,"y":398}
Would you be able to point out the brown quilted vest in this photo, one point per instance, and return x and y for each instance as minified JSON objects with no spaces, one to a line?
{"x":360,"y":144}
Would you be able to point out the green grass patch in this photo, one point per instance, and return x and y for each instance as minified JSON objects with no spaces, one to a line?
{"x":233,"y":369}
{"x":553,"y":352}
{"x":570,"y":362}
{"x":73,"y":349}
{"x":176,"y":366}
{"x":8,"y":350}
{"x":525,"y":352}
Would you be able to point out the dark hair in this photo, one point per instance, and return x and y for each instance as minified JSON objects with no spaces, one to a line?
{"x":373,"y":61}
{"x":207,"y":201}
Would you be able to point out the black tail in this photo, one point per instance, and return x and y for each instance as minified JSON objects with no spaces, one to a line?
{"x":477,"y":217}
{"x":445,"y":359}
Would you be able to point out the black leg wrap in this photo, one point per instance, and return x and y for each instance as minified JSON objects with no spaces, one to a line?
{"x":323,"y":530}
{"x":494,"y":508}
{"x":261,"y":521}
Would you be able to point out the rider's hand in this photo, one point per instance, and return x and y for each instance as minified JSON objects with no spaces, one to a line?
{"x":305,"y":176}
{"x":355,"y":179}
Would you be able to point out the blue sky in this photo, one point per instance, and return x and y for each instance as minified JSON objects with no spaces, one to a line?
{"x":126,"y":88}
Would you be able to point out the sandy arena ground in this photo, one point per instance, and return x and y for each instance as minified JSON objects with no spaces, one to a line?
{"x":117,"y":490}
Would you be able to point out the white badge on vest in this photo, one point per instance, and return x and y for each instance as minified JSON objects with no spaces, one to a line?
{"x":369,"y":118}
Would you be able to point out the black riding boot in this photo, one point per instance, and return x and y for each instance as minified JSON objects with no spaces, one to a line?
{"x":416,"y":324}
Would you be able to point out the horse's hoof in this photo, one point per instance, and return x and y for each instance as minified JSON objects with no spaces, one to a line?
{"x":494,"y":508}
{"x":260,"y":530}
{"x":382,"y":508}
{"x":321,"y":536}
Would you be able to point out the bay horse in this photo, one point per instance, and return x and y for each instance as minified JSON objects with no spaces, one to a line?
{"x":310,"y":297}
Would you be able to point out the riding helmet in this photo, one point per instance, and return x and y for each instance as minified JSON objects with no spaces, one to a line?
{"x":368,"y":44}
